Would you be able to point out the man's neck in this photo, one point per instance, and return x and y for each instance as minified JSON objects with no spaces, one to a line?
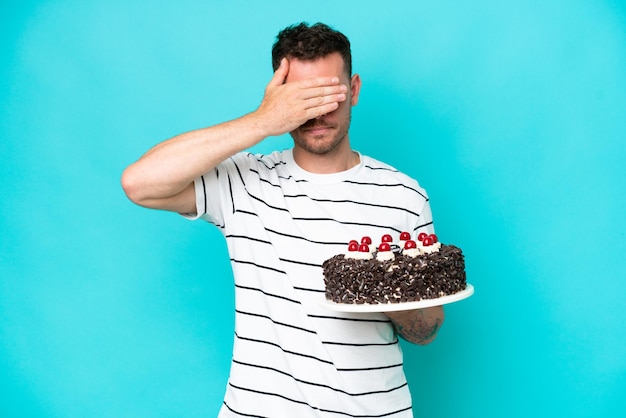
{"x":332,"y":162}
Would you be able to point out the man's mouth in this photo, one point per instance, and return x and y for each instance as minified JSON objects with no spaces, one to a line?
{"x":318,"y":128}
{"x":315,"y":127}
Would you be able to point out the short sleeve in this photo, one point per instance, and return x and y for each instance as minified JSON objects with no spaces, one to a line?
{"x":214,"y":190}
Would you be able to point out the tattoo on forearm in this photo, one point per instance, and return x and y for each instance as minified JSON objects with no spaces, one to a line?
{"x":419,"y":330}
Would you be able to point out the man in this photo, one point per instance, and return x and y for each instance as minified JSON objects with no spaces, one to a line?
{"x":282,"y":215}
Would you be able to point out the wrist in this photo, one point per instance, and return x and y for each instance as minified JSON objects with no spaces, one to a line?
{"x":259,"y":126}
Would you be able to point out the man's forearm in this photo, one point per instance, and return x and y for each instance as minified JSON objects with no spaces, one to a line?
{"x":170,"y":166}
{"x":418,"y":326}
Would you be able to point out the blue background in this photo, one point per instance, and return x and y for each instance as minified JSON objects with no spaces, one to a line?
{"x":511,"y":114}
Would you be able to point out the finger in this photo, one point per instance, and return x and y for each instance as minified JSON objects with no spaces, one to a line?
{"x":317,"y":101}
{"x":321,"y":106}
{"x":317,"y":111}
{"x":324,"y":91}
{"x":314,"y":82}
{"x":281,"y":73}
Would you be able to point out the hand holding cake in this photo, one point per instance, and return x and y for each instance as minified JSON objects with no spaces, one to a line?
{"x":419,"y":326}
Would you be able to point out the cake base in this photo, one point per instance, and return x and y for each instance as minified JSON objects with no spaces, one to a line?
{"x":396,"y":307}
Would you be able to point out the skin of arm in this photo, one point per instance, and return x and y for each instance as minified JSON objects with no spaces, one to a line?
{"x":163,"y":177}
{"x":418,"y":326}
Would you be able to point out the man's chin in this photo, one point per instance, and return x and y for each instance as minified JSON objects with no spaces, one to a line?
{"x":316,"y":144}
{"x":318,"y":147}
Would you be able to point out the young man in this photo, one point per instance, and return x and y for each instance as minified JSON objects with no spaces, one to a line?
{"x":283,"y":214}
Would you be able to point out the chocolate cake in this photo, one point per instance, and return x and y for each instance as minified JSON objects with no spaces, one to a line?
{"x":411,"y":271}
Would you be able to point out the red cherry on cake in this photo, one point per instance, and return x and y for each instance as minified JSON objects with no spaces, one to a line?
{"x":366,"y":240}
{"x":421,"y":236}
{"x":433,"y":237}
{"x":427,"y":241}
{"x":410,"y":244}
{"x":386,"y":238}
{"x":384,"y":247}
{"x":364,"y":248}
{"x":353,"y":246}
{"x":405,"y":236}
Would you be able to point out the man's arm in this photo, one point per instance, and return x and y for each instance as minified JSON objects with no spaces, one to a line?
{"x":163,"y":177}
{"x":418,"y":326}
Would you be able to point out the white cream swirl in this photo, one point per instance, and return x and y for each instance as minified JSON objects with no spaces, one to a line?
{"x":422,"y":249}
{"x":412,"y":252}
{"x":385,"y":255}
{"x":358,"y":255}
{"x":431,"y":248}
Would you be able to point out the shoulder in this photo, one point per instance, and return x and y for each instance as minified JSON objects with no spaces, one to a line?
{"x":387,"y":174}
{"x":374,"y":164}
{"x":244,"y":163}
{"x":262,"y":161}
{"x":248,"y":166}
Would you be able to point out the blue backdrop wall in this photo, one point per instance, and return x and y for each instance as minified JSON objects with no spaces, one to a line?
{"x":511,"y":114}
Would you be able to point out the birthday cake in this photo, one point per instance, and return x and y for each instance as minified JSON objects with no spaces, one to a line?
{"x":412,"y":270}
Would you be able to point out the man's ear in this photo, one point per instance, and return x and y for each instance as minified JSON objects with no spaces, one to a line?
{"x":355,"y":89}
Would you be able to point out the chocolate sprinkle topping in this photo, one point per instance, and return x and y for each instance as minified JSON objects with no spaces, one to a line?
{"x":404,"y":279}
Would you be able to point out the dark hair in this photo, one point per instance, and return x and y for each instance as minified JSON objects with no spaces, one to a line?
{"x":308,"y":43}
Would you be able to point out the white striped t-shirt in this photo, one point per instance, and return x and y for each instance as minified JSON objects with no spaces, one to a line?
{"x":291,"y":356}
